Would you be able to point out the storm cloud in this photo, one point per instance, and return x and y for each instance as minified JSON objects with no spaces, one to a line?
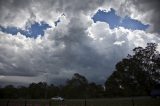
{"x":147,"y":11}
{"x":75,"y":45}
{"x":152,"y":6}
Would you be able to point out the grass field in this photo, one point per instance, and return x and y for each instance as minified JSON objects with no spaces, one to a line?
{"x":143,"y":101}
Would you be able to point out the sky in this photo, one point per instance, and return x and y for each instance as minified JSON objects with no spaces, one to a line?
{"x":50,"y":40}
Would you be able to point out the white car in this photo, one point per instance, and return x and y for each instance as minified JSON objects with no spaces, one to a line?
{"x":57,"y":98}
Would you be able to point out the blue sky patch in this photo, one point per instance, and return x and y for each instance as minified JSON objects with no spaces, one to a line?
{"x":115,"y":21}
{"x":33,"y":31}
{"x":11,"y":30}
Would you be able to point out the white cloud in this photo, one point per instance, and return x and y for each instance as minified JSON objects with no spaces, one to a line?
{"x":20,"y":12}
{"x":146,"y":11}
{"x":119,"y":41}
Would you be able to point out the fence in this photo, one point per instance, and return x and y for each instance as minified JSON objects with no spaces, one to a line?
{"x":82,"y":102}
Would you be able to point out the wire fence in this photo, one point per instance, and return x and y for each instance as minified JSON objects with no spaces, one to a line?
{"x":83,"y":102}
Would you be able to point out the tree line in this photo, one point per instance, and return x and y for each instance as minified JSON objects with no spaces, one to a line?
{"x":135,"y":75}
{"x":76,"y":87}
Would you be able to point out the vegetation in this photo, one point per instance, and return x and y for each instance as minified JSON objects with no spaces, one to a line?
{"x":77,"y":87}
{"x":138,"y":72}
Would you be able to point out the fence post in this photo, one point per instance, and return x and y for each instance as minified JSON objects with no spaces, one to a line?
{"x":85,"y":102}
{"x":132,"y":101}
{"x":8,"y":103}
{"x":49,"y":103}
{"x":25,"y":103}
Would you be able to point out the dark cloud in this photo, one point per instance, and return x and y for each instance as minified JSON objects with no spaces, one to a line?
{"x":10,"y":8}
{"x":12,"y":11}
{"x":13,"y":5}
{"x":78,"y":55}
{"x":74,"y":6}
{"x":154,"y":7}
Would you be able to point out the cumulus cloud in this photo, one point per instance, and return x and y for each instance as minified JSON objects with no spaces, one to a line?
{"x":146,"y":11}
{"x":21,"y":12}
{"x":150,"y":9}
{"x":76,"y":44}
{"x":62,"y":53}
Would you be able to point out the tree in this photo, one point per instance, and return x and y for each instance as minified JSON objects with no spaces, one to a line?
{"x":38,"y":91}
{"x":76,"y":87}
{"x":22,"y":92}
{"x":9,"y":91}
{"x":138,"y":72}
{"x":94,"y":90}
{"x":53,"y":91}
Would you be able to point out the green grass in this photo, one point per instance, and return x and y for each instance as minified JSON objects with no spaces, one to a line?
{"x":145,"y":101}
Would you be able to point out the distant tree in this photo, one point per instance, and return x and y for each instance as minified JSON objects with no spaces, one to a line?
{"x":38,"y":91}
{"x":95,"y":91}
{"x":9,"y":91}
{"x":76,"y":87}
{"x":138,"y":72}
{"x":53,"y":91}
{"x":22,"y":92}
